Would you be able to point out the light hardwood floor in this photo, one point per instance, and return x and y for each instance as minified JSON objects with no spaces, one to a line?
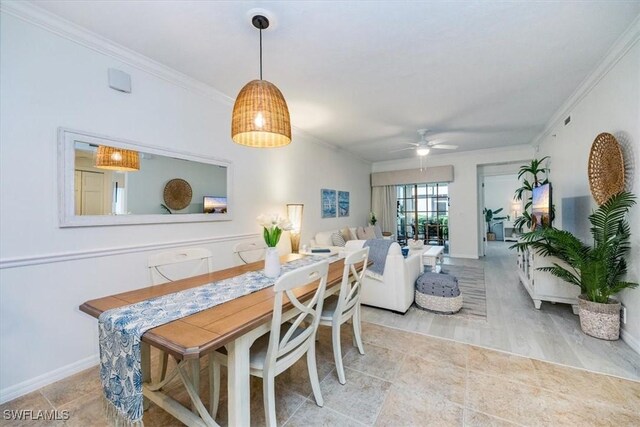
{"x":514,"y":325}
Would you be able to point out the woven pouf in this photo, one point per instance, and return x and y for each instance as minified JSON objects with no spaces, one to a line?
{"x":438,"y":293}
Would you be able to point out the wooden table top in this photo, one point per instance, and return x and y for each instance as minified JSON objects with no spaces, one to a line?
{"x":203,"y":332}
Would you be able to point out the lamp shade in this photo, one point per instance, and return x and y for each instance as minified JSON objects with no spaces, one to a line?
{"x":294,"y":212}
{"x":117,"y":159}
{"x":261,"y":116}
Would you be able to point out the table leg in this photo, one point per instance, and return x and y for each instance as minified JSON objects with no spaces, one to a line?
{"x":145,"y":365}
{"x":195,"y":379}
{"x":238,"y":381}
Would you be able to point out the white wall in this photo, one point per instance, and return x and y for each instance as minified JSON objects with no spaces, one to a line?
{"x":49,"y":80}
{"x":464,"y":218}
{"x":499,"y":191}
{"x":145,"y":188}
{"x":608,"y":102}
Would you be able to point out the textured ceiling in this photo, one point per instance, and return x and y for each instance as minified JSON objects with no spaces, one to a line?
{"x":365,"y":76}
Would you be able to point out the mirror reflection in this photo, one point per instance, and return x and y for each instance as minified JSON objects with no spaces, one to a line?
{"x":108,"y":181}
{"x":115,"y":181}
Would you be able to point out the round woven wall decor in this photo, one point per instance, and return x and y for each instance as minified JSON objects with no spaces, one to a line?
{"x":177,"y":194}
{"x":606,"y":168}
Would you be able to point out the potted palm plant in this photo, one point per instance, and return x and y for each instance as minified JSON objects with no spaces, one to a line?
{"x":532,"y":170}
{"x":598,"y":270}
{"x":489,"y":217}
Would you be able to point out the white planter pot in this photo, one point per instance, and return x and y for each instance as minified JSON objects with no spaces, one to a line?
{"x":272,"y":263}
{"x":600,"y":320}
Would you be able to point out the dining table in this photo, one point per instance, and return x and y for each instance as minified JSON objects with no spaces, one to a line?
{"x":234,"y":324}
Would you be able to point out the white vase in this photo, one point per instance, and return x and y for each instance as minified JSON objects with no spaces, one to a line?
{"x":272,"y":263}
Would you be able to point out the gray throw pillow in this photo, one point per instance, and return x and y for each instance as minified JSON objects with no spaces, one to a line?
{"x":338,"y":240}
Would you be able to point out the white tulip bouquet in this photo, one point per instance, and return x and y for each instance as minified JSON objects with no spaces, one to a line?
{"x":273,"y":225}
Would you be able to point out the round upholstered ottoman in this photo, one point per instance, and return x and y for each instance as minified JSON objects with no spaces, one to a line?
{"x":438,"y":293}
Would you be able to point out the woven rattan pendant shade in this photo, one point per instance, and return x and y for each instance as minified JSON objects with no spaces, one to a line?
{"x":117,"y":159}
{"x":260,"y":116}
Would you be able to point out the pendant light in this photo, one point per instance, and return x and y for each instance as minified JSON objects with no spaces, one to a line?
{"x":117,"y":159}
{"x":260,"y":114}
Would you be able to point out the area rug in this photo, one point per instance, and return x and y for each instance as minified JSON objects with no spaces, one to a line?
{"x":474,"y":294}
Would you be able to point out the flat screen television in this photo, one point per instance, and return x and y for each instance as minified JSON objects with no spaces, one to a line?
{"x":213,"y":204}
{"x":541,"y":207}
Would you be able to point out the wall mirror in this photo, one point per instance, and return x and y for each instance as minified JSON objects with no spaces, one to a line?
{"x":108,"y":181}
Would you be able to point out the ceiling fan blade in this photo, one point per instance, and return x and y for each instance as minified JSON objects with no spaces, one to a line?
{"x":445,"y":147}
{"x":402,"y":149}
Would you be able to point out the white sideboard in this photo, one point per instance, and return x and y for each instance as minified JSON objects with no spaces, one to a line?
{"x":543,"y":286}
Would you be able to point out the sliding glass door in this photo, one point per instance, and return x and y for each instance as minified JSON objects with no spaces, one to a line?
{"x":423,"y":213}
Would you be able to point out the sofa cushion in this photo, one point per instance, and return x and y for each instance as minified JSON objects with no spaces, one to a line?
{"x":324,"y":238}
{"x":354,"y":235}
{"x":346,"y":234}
{"x":377,"y":232}
{"x":367,"y":233}
{"x":337,"y":239}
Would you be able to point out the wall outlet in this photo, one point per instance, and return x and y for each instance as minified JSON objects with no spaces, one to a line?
{"x":623,"y":315}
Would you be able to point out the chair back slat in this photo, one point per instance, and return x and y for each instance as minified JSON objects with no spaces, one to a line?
{"x":249,"y":252}
{"x":179,"y":264}
{"x":296,"y":339}
{"x":351,"y":285}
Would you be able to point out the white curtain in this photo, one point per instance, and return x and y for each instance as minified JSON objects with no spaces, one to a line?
{"x":384,"y":205}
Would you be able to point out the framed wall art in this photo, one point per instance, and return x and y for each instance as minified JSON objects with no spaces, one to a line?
{"x":343,"y":203}
{"x":328,"y":203}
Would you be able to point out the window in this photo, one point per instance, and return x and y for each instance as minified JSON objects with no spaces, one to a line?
{"x":423,"y":213}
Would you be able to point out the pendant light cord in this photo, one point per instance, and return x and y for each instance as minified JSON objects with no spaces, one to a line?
{"x":260,"y":52}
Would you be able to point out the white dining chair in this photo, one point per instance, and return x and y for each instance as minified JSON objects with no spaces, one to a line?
{"x":249,"y":252}
{"x":174,"y":265}
{"x":179,"y":264}
{"x":286,"y":343}
{"x":338,"y":309}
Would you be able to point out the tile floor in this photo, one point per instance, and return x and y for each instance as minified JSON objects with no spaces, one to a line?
{"x":404,"y":379}
{"x":423,"y":369}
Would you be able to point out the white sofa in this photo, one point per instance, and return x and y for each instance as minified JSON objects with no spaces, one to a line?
{"x":323,"y":239}
{"x":395,"y":289}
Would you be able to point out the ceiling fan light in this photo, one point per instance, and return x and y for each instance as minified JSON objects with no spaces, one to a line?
{"x":422,"y":151}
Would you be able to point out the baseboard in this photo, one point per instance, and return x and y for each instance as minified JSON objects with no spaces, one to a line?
{"x":466,"y":256}
{"x":631,"y":341}
{"x":38,"y":382}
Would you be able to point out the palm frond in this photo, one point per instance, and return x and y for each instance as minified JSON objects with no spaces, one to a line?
{"x":606,"y":220}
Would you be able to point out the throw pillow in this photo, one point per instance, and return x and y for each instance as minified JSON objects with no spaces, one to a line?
{"x":360,"y":233}
{"x":354,"y":236}
{"x":346,"y":234}
{"x":378,"y":231}
{"x":370,"y":233}
{"x":338,"y":240}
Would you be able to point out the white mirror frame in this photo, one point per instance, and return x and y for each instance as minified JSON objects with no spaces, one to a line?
{"x":66,"y":166}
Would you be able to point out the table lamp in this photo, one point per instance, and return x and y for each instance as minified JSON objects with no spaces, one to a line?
{"x":294,"y":212}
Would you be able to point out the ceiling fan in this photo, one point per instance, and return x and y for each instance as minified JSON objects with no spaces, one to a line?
{"x":423,"y":147}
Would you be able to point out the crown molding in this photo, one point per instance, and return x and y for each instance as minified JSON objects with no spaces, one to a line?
{"x":68,"y":30}
{"x":620,"y":48}
{"x":55,"y":24}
